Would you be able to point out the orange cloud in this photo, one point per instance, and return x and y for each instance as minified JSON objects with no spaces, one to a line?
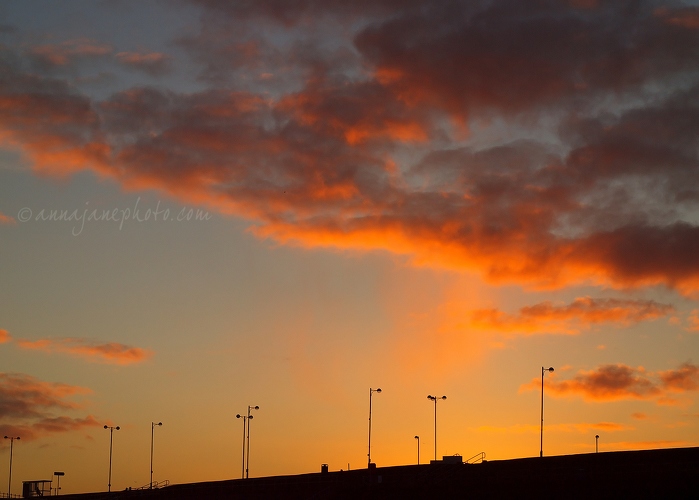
{"x":568,"y":318}
{"x":112,"y":352}
{"x":687,"y":17}
{"x":64,"y":53}
{"x":685,"y":378}
{"x":24,"y":396}
{"x":693,"y":321}
{"x":154,"y":63}
{"x":306,"y":162}
{"x":6,"y":219}
{"x":27,"y":407}
{"x":4,"y":336}
{"x":621,"y":382}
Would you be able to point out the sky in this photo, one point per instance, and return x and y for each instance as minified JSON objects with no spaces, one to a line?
{"x":208,"y":205}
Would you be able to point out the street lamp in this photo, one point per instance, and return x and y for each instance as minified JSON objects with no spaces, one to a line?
{"x":597,"y":443}
{"x":244,"y":417}
{"x":418,"y":449}
{"x":9,"y":482}
{"x":247,"y":462}
{"x":111,"y":434}
{"x":543,"y":370}
{"x":371,"y":391}
{"x":435,"y":398}
{"x":152,"y":428}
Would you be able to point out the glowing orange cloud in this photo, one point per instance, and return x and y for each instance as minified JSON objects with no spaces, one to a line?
{"x":582,"y":313}
{"x":693,"y":321}
{"x":308,"y":165}
{"x":112,"y":352}
{"x":63,"y":53}
{"x":26,"y":396}
{"x":687,"y":17}
{"x":685,"y":378}
{"x":155,"y":63}
{"x":4,"y":336}
{"x":620,"y":382}
{"x":27,"y":406}
{"x":6,"y":219}
{"x":65,"y":424}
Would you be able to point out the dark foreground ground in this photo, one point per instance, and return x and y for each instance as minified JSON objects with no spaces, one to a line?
{"x":669,"y":473}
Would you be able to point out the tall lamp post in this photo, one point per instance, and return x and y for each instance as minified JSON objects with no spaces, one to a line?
{"x":152,"y":428}
{"x":9,"y":482}
{"x":435,"y":399}
{"x":543,"y":370}
{"x":418,"y":449}
{"x":244,"y":417}
{"x":111,"y":434}
{"x":247,"y":462}
{"x":597,"y":443}
{"x":371,"y":391}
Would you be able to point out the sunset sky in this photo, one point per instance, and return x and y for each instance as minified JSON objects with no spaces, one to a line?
{"x":210,"y":204}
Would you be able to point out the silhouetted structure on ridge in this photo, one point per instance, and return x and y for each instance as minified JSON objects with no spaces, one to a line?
{"x":667,"y":473}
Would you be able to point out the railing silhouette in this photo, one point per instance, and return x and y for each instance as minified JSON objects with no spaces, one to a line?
{"x":479,"y":457}
{"x":156,"y":484}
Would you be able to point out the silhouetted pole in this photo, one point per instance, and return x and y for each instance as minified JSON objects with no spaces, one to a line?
{"x":371,"y":391}
{"x":111,"y":433}
{"x":58,"y":478}
{"x":9,"y":481}
{"x":435,"y":398}
{"x":242,"y":473}
{"x":152,"y":427}
{"x":418,"y":449}
{"x":247,"y":462}
{"x":597,"y":443}
{"x":541,"y":450}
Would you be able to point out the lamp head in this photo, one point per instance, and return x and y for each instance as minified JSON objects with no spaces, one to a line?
{"x":444,"y":397}
{"x":417,"y":437}
{"x":117,"y":427}
{"x":430,"y":397}
{"x":250,"y":417}
{"x":257,"y":407}
{"x":551,"y":369}
{"x":160,"y":423}
{"x":378,"y":390}
{"x":238,"y":415}
{"x":106,"y":426}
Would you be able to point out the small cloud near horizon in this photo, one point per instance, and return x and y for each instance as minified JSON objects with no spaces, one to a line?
{"x":110,"y":353}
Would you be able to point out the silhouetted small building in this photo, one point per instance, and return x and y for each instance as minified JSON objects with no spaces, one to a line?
{"x":31,"y":489}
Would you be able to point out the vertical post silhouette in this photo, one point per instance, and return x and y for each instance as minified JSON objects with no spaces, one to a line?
{"x":9,"y":481}
{"x":242,"y":473}
{"x":152,"y":428}
{"x":597,"y":443}
{"x":58,"y":478}
{"x":435,"y":398}
{"x":371,"y":391}
{"x":111,"y":434}
{"x":543,"y":370}
{"x":418,"y":449}
{"x":247,"y":461}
